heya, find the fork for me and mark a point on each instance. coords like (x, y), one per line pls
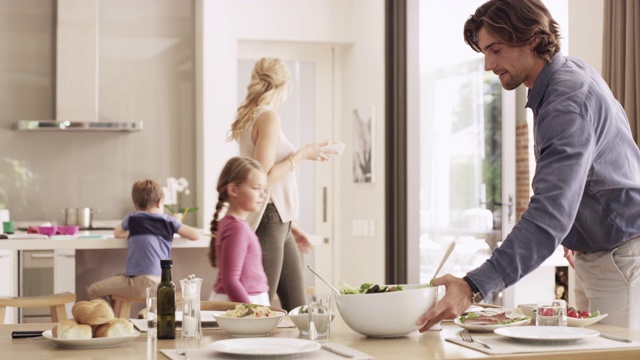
(466, 337)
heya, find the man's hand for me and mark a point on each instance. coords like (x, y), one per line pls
(568, 254)
(456, 300)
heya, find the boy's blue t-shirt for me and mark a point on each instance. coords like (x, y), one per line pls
(150, 237)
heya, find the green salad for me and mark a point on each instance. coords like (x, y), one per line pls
(370, 288)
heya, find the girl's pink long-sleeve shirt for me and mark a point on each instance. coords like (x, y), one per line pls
(240, 271)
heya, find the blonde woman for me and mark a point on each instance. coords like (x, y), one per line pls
(257, 129)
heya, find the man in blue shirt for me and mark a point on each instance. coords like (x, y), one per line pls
(586, 186)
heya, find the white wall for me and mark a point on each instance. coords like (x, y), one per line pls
(586, 21)
(356, 29)
(362, 70)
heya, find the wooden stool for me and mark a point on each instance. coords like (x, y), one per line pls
(55, 302)
(122, 305)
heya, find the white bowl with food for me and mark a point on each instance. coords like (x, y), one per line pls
(581, 318)
(300, 318)
(248, 320)
(386, 314)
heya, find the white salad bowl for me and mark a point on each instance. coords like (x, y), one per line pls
(388, 314)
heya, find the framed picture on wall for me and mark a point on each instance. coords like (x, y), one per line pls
(363, 125)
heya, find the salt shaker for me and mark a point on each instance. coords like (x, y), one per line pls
(191, 322)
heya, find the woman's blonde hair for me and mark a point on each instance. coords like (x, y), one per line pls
(269, 75)
(236, 171)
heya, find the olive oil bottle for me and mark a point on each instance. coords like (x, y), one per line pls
(166, 302)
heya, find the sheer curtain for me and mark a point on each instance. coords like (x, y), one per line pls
(621, 56)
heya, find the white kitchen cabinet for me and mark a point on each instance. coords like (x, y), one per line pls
(9, 286)
(64, 273)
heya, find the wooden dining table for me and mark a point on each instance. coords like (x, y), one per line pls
(428, 345)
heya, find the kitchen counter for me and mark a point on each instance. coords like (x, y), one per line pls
(86, 240)
(90, 256)
(430, 345)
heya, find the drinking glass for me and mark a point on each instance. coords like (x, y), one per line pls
(319, 317)
(152, 309)
(551, 313)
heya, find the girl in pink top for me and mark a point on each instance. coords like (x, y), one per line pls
(234, 247)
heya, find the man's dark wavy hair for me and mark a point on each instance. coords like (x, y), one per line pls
(516, 23)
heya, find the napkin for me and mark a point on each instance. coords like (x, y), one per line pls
(505, 345)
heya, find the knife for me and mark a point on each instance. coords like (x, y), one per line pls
(25, 334)
(607, 336)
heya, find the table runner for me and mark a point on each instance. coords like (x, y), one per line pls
(141, 324)
(506, 345)
(322, 354)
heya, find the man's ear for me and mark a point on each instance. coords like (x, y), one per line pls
(534, 43)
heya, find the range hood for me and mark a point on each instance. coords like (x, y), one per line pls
(54, 125)
(76, 73)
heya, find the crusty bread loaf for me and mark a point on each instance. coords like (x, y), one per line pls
(115, 327)
(70, 329)
(94, 312)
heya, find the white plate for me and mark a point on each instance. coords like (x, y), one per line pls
(92, 343)
(584, 322)
(546, 332)
(489, 327)
(264, 346)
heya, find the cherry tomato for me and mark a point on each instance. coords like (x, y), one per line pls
(547, 312)
(585, 314)
(573, 313)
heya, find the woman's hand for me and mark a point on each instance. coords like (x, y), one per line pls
(304, 245)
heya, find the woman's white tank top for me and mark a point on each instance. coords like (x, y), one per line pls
(284, 194)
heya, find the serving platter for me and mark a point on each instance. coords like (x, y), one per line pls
(92, 343)
(264, 347)
(489, 328)
(546, 333)
(519, 319)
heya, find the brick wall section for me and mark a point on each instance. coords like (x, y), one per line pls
(523, 187)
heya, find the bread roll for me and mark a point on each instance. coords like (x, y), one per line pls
(94, 312)
(115, 327)
(70, 329)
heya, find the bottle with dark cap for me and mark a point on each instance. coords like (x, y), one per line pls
(166, 302)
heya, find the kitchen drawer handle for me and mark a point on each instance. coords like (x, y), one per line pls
(42, 256)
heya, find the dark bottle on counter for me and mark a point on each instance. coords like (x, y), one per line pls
(166, 302)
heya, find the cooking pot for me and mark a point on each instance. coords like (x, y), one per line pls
(82, 217)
